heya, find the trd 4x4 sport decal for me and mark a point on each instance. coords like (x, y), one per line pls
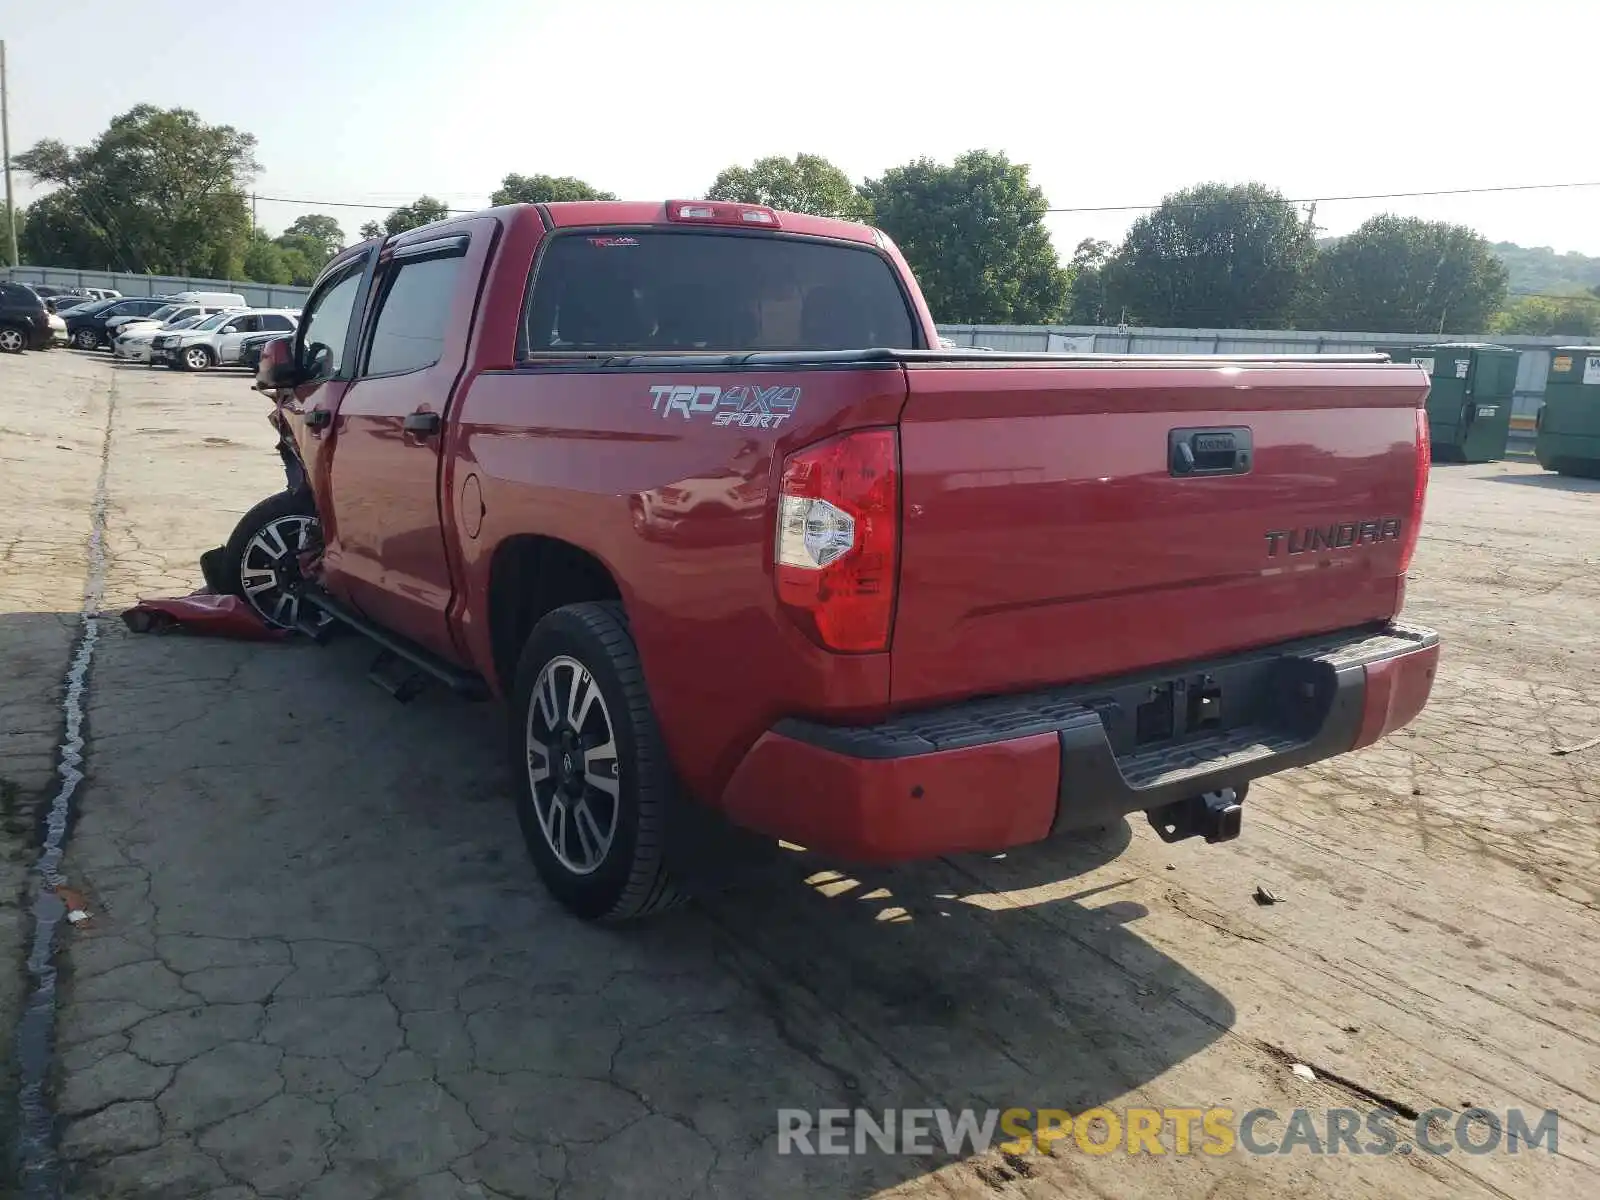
(744, 405)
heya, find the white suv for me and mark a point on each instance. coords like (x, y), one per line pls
(165, 315)
(217, 341)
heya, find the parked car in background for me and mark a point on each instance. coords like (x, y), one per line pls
(87, 325)
(57, 297)
(134, 344)
(172, 310)
(25, 322)
(250, 349)
(62, 305)
(50, 291)
(217, 340)
(211, 299)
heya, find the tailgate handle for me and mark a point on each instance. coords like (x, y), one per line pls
(1224, 451)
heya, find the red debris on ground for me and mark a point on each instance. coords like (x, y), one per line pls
(202, 612)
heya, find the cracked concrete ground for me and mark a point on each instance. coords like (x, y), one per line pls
(320, 966)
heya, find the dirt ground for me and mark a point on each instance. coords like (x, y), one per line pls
(319, 964)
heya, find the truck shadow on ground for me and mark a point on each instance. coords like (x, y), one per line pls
(270, 794)
(1552, 482)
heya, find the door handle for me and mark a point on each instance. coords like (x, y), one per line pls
(318, 418)
(423, 424)
(1224, 451)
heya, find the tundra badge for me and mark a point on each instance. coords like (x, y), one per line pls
(1338, 536)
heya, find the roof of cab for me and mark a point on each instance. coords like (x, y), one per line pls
(582, 213)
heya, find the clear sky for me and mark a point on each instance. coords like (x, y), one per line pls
(1110, 104)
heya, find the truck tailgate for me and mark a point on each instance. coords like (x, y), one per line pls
(1072, 521)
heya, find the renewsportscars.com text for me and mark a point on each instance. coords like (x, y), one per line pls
(1166, 1131)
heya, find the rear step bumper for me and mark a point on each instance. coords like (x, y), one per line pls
(991, 774)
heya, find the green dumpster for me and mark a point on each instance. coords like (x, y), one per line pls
(1469, 406)
(1569, 422)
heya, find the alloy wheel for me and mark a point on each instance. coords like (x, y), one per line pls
(270, 569)
(573, 765)
(11, 341)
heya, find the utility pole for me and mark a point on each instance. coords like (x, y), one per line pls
(5, 147)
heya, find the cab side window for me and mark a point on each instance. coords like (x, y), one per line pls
(326, 326)
(413, 313)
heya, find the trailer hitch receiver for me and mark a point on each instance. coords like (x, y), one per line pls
(1216, 816)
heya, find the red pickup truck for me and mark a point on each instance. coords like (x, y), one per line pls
(695, 491)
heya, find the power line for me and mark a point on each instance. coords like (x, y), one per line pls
(1091, 208)
(1468, 191)
(350, 204)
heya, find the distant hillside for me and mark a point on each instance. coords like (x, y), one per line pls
(1540, 269)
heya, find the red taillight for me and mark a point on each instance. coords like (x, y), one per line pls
(1408, 540)
(720, 212)
(838, 538)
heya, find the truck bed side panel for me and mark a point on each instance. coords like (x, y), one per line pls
(680, 510)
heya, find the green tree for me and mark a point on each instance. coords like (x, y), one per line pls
(57, 233)
(314, 229)
(806, 183)
(267, 262)
(1088, 296)
(5, 230)
(159, 191)
(974, 233)
(307, 245)
(544, 189)
(1551, 316)
(1405, 275)
(370, 230)
(1217, 255)
(423, 210)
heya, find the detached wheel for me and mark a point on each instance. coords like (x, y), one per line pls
(261, 563)
(593, 783)
(12, 340)
(196, 358)
(86, 339)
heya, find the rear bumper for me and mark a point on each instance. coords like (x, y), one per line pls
(996, 773)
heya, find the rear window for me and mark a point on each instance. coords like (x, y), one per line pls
(667, 291)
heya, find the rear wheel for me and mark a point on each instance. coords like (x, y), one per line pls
(263, 560)
(12, 340)
(594, 786)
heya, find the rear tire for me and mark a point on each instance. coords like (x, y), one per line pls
(593, 784)
(12, 340)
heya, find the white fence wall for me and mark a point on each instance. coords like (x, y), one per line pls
(1097, 339)
(261, 295)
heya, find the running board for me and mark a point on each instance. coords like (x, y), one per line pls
(464, 683)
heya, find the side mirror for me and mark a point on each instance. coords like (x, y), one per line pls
(277, 368)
